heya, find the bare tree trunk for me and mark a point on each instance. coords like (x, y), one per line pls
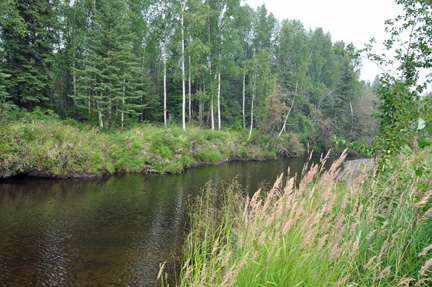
(252, 111)
(164, 73)
(211, 80)
(211, 101)
(74, 62)
(286, 119)
(252, 104)
(101, 124)
(352, 119)
(183, 67)
(165, 86)
(244, 90)
(190, 92)
(218, 100)
(219, 66)
(201, 106)
(123, 102)
(244, 100)
(142, 81)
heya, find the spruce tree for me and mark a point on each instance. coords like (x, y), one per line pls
(109, 82)
(28, 35)
(4, 95)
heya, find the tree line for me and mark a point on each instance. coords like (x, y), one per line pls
(215, 63)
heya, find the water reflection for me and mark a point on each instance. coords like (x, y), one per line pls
(109, 232)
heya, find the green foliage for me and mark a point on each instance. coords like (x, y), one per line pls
(100, 63)
(5, 104)
(400, 102)
(110, 73)
(28, 35)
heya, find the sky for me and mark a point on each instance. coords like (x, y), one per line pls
(346, 20)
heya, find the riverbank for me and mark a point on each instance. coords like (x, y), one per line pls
(41, 145)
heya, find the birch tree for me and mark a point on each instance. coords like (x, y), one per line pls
(183, 7)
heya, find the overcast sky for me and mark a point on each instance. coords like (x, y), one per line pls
(346, 20)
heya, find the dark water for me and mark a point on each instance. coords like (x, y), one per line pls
(110, 232)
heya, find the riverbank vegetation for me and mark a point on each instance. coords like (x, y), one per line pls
(319, 232)
(40, 144)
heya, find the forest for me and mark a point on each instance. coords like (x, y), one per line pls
(216, 64)
(92, 88)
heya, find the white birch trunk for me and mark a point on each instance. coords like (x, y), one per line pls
(211, 104)
(244, 100)
(252, 114)
(190, 92)
(165, 74)
(218, 101)
(286, 119)
(183, 68)
(201, 106)
(165, 87)
(219, 65)
(211, 80)
(252, 105)
(101, 124)
(165, 92)
(74, 62)
(123, 102)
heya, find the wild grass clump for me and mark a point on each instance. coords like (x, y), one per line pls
(49, 147)
(209, 155)
(321, 232)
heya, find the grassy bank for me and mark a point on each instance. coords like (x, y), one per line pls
(40, 144)
(375, 232)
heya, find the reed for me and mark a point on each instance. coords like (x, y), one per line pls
(320, 232)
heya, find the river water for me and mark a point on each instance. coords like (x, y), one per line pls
(107, 232)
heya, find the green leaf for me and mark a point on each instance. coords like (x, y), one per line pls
(419, 172)
(419, 185)
(406, 149)
(380, 219)
(421, 124)
(425, 142)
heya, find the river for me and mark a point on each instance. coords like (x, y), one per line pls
(115, 231)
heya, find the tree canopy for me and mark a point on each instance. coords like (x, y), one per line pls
(213, 63)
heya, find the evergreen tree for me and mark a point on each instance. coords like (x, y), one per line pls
(346, 92)
(110, 80)
(29, 32)
(4, 95)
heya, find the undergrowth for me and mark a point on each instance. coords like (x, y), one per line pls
(41, 144)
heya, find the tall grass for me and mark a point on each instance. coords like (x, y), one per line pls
(321, 232)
